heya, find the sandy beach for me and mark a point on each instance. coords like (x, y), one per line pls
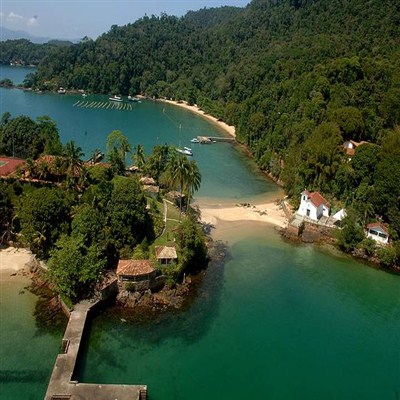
(13, 259)
(227, 128)
(269, 213)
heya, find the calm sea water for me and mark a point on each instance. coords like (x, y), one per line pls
(274, 321)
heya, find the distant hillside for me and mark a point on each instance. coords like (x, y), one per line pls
(296, 78)
(24, 52)
(8, 34)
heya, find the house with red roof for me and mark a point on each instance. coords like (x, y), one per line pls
(9, 165)
(313, 205)
(135, 270)
(378, 232)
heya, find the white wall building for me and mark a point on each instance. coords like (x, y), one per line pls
(313, 205)
(378, 232)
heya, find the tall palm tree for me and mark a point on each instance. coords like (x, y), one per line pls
(193, 180)
(73, 154)
(178, 172)
(139, 157)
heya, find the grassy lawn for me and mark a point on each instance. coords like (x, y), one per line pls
(167, 238)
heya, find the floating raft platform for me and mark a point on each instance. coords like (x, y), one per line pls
(63, 386)
(107, 105)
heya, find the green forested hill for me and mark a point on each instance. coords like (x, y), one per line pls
(296, 78)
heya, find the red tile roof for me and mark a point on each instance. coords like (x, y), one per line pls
(9, 165)
(378, 225)
(134, 267)
(317, 199)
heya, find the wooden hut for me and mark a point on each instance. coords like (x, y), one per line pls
(166, 255)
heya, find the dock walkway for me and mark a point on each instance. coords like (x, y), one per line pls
(62, 385)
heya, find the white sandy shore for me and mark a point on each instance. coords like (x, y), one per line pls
(269, 213)
(227, 128)
(13, 259)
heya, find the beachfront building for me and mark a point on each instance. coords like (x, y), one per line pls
(166, 255)
(378, 232)
(313, 206)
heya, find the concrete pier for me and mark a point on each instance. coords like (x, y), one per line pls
(222, 139)
(211, 139)
(62, 385)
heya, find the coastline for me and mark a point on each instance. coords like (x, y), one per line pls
(270, 213)
(229, 129)
(265, 212)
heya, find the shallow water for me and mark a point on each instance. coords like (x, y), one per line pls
(27, 352)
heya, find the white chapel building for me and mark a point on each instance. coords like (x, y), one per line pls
(313, 205)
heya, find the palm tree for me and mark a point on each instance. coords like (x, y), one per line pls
(178, 172)
(139, 157)
(73, 154)
(193, 180)
(117, 141)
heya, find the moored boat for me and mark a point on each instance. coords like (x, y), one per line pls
(134, 99)
(61, 90)
(184, 152)
(115, 98)
(195, 140)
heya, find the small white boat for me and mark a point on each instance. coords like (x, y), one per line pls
(61, 90)
(195, 140)
(134, 99)
(188, 149)
(115, 98)
(184, 152)
(84, 94)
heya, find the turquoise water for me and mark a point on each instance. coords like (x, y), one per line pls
(276, 321)
(16, 74)
(226, 171)
(27, 351)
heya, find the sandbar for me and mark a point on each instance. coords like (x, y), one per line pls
(229, 129)
(270, 213)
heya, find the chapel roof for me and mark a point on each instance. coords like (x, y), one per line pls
(316, 199)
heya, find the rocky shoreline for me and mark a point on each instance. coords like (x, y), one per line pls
(140, 305)
(169, 299)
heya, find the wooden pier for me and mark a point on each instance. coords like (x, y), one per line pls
(211, 139)
(63, 386)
